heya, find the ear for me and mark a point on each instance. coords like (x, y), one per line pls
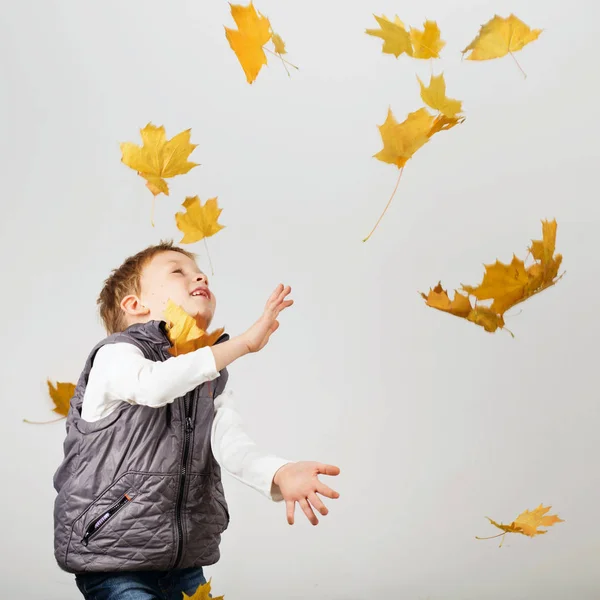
(132, 305)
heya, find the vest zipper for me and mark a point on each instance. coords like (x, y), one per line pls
(97, 524)
(186, 442)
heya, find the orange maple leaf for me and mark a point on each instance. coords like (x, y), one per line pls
(505, 284)
(527, 523)
(61, 395)
(202, 593)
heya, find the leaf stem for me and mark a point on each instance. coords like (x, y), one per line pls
(283, 59)
(208, 254)
(42, 422)
(152, 210)
(491, 537)
(387, 205)
(518, 65)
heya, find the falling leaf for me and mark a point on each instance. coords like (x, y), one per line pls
(508, 285)
(427, 43)
(527, 523)
(499, 37)
(159, 158)
(505, 284)
(396, 40)
(60, 395)
(443, 123)
(184, 333)
(278, 44)
(435, 96)
(202, 593)
(247, 41)
(461, 307)
(402, 140)
(199, 221)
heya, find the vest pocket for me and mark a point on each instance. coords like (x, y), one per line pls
(98, 523)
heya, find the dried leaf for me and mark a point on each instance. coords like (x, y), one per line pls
(184, 333)
(435, 96)
(159, 158)
(396, 40)
(61, 395)
(461, 307)
(505, 284)
(508, 285)
(202, 593)
(199, 221)
(247, 41)
(278, 44)
(528, 523)
(402, 140)
(500, 36)
(427, 43)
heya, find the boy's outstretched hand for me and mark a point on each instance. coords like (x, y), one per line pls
(298, 482)
(258, 335)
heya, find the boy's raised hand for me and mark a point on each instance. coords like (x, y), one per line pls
(299, 482)
(258, 335)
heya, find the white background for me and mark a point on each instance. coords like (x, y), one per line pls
(434, 422)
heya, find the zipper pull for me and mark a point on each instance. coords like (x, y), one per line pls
(188, 424)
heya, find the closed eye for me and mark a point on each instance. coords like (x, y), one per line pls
(178, 271)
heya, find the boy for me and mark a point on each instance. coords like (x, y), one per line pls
(140, 506)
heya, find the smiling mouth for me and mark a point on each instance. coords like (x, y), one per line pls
(203, 293)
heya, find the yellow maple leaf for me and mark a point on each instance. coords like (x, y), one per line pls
(202, 593)
(402, 140)
(461, 307)
(183, 331)
(278, 44)
(159, 158)
(510, 284)
(247, 41)
(499, 37)
(435, 96)
(427, 43)
(506, 284)
(199, 221)
(527, 523)
(443, 123)
(396, 40)
(61, 395)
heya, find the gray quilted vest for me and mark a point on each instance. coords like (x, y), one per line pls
(140, 489)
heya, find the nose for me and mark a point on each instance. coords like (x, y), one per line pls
(201, 277)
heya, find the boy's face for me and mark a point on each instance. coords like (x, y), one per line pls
(172, 275)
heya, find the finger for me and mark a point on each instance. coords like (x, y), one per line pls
(283, 305)
(316, 502)
(276, 292)
(308, 511)
(290, 507)
(327, 469)
(284, 292)
(325, 490)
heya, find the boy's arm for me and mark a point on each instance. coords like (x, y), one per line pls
(239, 455)
(121, 372)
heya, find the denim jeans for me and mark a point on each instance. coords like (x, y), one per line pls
(140, 585)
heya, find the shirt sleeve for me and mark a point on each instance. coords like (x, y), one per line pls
(121, 373)
(238, 455)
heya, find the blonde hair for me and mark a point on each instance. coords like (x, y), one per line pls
(125, 280)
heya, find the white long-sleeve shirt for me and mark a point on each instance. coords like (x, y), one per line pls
(121, 373)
